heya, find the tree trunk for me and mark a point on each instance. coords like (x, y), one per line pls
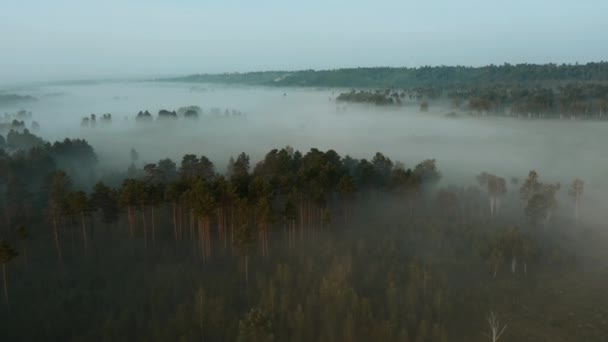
(301, 220)
(56, 233)
(130, 218)
(84, 233)
(232, 228)
(224, 219)
(202, 237)
(153, 228)
(513, 265)
(175, 222)
(180, 224)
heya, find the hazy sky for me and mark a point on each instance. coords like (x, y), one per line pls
(68, 39)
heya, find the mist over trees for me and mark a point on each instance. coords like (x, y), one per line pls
(295, 246)
(151, 224)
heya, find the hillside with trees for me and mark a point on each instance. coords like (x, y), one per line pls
(298, 246)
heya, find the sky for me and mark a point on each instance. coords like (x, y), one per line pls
(42, 40)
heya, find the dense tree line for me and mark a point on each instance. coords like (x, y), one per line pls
(298, 246)
(570, 100)
(438, 76)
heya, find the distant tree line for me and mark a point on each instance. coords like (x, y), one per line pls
(13, 99)
(437, 76)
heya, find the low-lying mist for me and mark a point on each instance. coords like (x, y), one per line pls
(304, 118)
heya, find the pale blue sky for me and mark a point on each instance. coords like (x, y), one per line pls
(68, 39)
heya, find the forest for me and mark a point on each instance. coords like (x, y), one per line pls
(580, 101)
(563, 91)
(404, 77)
(297, 246)
(11, 99)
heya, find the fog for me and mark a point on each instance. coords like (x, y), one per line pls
(303, 118)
